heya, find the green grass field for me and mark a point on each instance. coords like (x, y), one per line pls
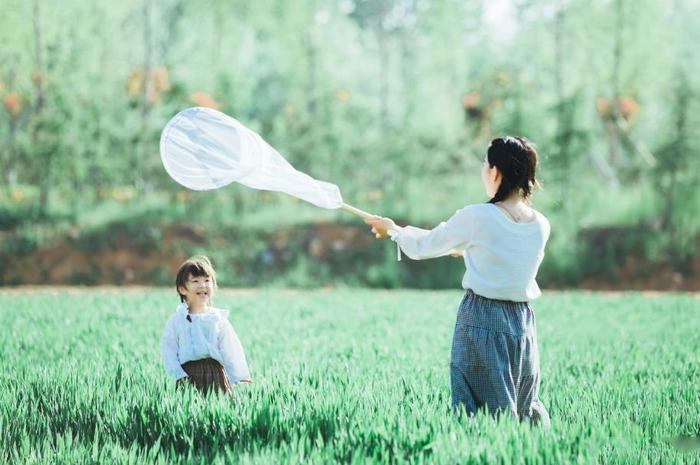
(349, 376)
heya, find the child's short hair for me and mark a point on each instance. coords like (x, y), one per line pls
(197, 266)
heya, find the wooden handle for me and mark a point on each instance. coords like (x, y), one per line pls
(356, 211)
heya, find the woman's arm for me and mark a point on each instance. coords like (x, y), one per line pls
(449, 237)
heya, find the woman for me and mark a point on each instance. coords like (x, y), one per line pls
(495, 358)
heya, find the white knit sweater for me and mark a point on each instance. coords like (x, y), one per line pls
(501, 256)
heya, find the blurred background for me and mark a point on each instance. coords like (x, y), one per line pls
(395, 101)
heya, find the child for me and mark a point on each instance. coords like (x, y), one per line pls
(495, 358)
(199, 344)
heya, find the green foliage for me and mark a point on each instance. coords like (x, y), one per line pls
(13, 216)
(676, 175)
(385, 274)
(22, 243)
(394, 101)
(340, 377)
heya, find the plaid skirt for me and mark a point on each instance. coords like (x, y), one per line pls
(495, 361)
(207, 375)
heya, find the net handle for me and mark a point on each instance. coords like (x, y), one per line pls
(356, 211)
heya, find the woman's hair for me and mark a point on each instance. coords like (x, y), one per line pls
(516, 159)
(196, 266)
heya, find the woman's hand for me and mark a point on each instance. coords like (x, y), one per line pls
(380, 225)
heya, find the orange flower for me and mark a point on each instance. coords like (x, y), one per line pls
(135, 83)
(157, 77)
(603, 106)
(628, 107)
(203, 99)
(160, 78)
(36, 76)
(342, 95)
(17, 195)
(470, 100)
(13, 103)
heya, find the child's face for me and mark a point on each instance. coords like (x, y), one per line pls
(198, 289)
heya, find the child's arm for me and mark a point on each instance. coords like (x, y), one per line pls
(170, 352)
(232, 352)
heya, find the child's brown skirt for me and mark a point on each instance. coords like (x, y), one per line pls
(207, 375)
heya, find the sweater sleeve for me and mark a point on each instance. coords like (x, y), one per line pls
(451, 236)
(232, 352)
(171, 360)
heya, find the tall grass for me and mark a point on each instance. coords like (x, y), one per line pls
(340, 376)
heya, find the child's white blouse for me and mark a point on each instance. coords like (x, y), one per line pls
(501, 256)
(207, 335)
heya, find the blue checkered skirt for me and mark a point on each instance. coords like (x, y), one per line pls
(495, 360)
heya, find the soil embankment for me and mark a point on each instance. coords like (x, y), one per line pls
(305, 256)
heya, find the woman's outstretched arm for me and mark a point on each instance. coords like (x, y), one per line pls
(449, 237)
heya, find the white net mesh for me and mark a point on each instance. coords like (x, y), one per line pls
(204, 149)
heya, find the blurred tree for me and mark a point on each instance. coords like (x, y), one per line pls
(44, 127)
(390, 99)
(677, 174)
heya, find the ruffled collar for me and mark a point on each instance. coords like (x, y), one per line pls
(183, 310)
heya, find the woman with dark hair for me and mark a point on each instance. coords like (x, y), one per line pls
(495, 358)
